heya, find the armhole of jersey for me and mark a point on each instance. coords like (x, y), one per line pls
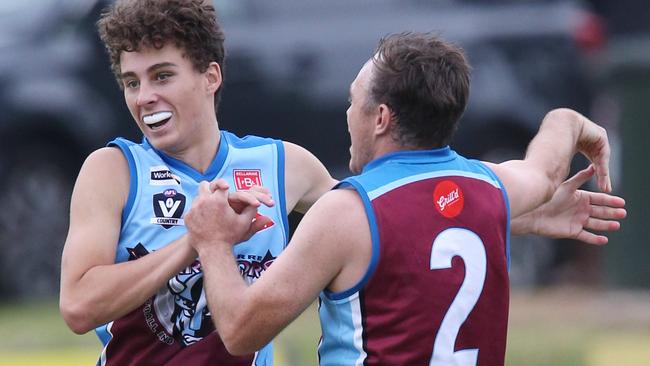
(374, 235)
(133, 177)
(507, 203)
(281, 190)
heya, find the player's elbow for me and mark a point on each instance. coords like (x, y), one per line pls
(238, 342)
(238, 348)
(75, 316)
(238, 331)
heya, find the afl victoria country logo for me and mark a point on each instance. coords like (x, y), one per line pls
(168, 207)
(448, 199)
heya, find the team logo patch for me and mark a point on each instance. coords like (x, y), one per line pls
(448, 199)
(246, 178)
(168, 208)
(162, 176)
(252, 266)
(136, 252)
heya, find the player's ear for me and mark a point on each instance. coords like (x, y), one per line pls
(213, 77)
(384, 119)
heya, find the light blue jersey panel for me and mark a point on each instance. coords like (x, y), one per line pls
(161, 193)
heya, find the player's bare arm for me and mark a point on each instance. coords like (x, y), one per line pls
(95, 290)
(319, 256)
(306, 178)
(533, 181)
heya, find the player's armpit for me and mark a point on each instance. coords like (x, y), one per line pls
(306, 178)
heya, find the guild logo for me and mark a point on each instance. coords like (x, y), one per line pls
(168, 208)
(448, 199)
(162, 176)
(246, 178)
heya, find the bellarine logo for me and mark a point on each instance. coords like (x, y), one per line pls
(246, 178)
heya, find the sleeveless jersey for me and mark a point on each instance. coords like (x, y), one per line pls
(174, 327)
(436, 289)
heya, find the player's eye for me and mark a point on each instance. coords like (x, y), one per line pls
(131, 83)
(163, 76)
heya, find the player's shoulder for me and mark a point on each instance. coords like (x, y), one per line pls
(105, 166)
(342, 205)
(295, 150)
(300, 158)
(108, 157)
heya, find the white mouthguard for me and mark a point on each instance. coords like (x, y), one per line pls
(156, 117)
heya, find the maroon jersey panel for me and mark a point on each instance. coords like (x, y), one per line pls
(410, 292)
(143, 341)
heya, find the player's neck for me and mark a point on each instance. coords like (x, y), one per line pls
(201, 150)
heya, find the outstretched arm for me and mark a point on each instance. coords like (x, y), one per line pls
(573, 213)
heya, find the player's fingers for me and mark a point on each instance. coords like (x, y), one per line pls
(591, 238)
(604, 199)
(607, 213)
(602, 170)
(602, 225)
(604, 182)
(204, 188)
(260, 189)
(263, 197)
(248, 214)
(580, 177)
(220, 184)
(243, 198)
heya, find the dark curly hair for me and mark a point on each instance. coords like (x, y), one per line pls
(129, 25)
(425, 82)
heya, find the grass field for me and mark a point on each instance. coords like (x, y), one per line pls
(569, 327)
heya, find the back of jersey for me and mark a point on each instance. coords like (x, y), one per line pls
(436, 291)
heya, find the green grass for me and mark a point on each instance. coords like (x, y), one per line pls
(34, 334)
(549, 328)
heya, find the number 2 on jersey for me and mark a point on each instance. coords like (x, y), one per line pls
(467, 245)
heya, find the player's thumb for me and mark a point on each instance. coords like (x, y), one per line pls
(581, 177)
(248, 213)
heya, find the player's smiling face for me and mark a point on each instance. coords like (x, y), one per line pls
(171, 102)
(361, 115)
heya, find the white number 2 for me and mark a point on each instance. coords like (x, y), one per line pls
(467, 245)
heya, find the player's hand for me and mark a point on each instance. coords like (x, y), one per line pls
(212, 220)
(239, 200)
(594, 144)
(573, 213)
(255, 196)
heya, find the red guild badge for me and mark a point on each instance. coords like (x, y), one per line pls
(246, 178)
(448, 199)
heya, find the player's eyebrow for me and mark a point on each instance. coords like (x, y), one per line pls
(151, 69)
